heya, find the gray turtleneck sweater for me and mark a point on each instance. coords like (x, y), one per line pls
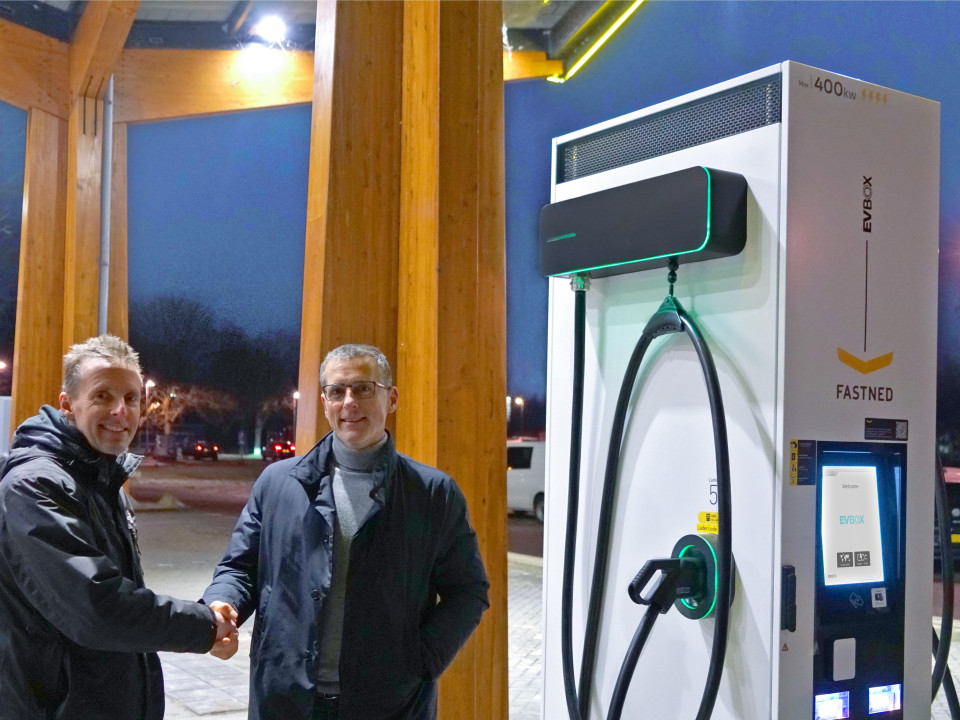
(354, 487)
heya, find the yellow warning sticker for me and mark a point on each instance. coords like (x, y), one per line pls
(793, 462)
(708, 528)
(708, 517)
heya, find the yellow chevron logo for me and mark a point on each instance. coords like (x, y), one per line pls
(864, 367)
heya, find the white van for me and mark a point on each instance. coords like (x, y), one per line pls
(525, 475)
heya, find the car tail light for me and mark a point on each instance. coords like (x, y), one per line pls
(199, 447)
(216, 448)
(277, 448)
(293, 448)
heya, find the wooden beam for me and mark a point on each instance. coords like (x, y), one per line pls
(163, 84)
(37, 345)
(118, 322)
(166, 84)
(82, 236)
(97, 44)
(33, 70)
(525, 65)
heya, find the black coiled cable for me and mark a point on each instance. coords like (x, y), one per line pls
(573, 498)
(669, 318)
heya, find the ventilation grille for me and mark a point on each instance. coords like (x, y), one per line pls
(731, 112)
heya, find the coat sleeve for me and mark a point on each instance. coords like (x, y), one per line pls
(461, 583)
(235, 579)
(49, 544)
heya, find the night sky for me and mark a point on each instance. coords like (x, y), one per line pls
(217, 213)
(217, 205)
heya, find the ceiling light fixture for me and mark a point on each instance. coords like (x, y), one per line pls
(271, 28)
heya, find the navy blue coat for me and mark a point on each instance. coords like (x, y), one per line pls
(416, 547)
(78, 630)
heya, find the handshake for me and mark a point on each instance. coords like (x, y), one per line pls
(228, 639)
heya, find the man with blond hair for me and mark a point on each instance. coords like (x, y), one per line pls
(79, 631)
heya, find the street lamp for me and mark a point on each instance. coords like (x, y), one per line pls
(296, 397)
(518, 401)
(149, 385)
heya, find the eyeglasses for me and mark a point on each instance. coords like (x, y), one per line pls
(359, 389)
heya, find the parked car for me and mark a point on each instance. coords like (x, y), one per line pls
(200, 449)
(525, 476)
(277, 449)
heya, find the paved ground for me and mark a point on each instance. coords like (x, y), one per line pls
(181, 547)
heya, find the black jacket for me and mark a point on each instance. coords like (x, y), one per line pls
(416, 547)
(78, 630)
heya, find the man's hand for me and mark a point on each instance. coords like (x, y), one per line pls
(228, 639)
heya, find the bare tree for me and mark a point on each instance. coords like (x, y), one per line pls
(171, 401)
(269, 406)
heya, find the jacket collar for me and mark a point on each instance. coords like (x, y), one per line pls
(50, 434)
(314, 467)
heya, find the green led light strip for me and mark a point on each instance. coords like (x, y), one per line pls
(706, 239)
(561, 237)
(716, 579)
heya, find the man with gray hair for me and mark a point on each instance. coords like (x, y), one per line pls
(80, 631)
(359, 562)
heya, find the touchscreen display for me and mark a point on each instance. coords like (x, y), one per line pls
(850, 525)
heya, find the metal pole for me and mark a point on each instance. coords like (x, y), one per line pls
(106, 171)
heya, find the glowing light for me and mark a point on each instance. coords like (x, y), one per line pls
(271, 28)
(259, 63)
(597, 45)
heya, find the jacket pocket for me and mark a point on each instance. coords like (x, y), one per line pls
(256, 640)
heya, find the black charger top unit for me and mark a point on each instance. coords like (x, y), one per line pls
(692, 215)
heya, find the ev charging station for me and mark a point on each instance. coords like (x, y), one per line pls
(823, 330)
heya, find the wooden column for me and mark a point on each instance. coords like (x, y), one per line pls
(118, 320)
(37, 354)
(353, 205)
(94, 52)
(405, 251)
(82, 252)
(417, 354)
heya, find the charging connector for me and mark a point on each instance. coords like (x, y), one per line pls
(679, 578)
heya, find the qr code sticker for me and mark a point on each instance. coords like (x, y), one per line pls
(901, 430)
